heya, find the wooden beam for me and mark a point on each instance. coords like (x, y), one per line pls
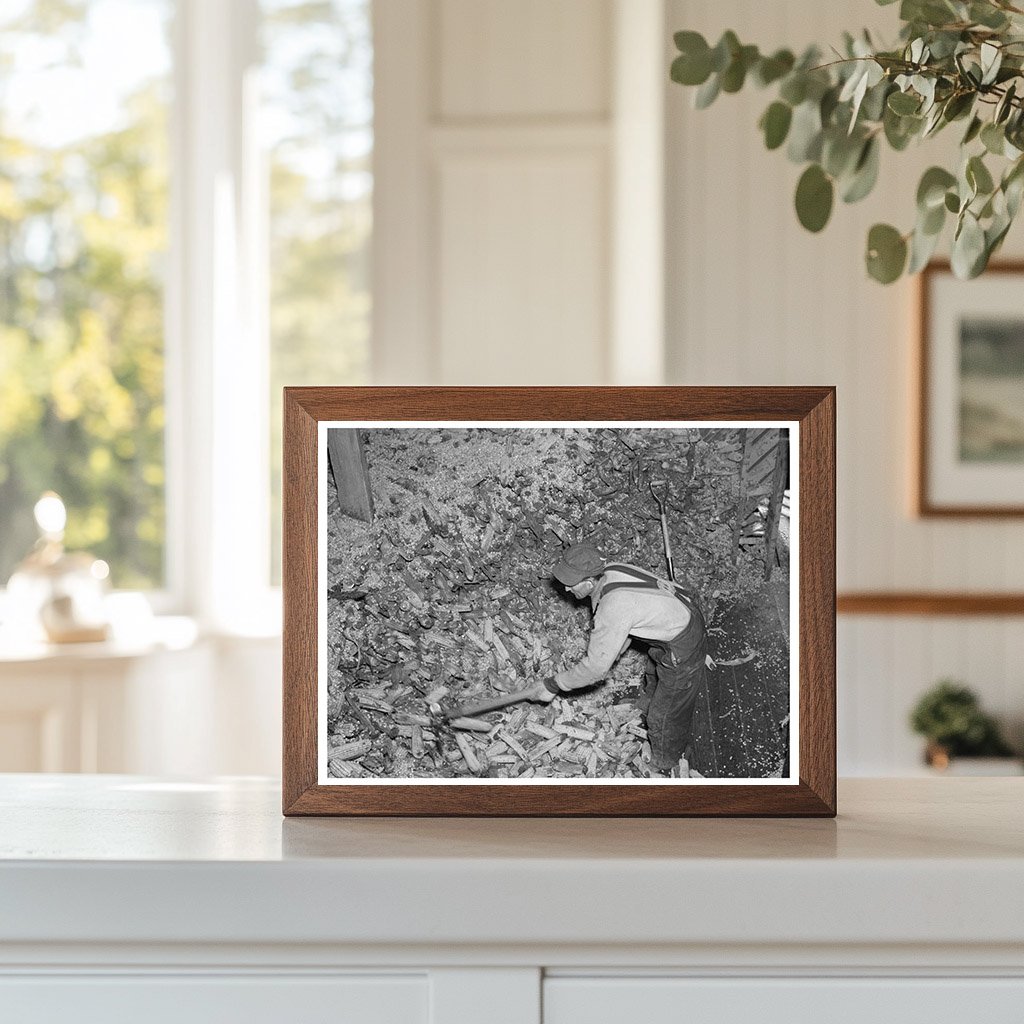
(351, 477)
(929, 603)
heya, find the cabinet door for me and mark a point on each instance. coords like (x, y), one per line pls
(783, 1000)
(205, 999)
(41, 721)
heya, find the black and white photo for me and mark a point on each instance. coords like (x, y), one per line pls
(528, 603)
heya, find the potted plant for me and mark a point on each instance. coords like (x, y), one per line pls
(950, 717)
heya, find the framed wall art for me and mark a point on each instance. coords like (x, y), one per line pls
(970, 444)
(559, 601)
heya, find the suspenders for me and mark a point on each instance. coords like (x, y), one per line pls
(646, 581)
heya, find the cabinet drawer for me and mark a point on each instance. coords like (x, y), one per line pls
(669, 1000)
(223, 999)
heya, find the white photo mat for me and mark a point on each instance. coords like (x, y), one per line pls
(793, 779)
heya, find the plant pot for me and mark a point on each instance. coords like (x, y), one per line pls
(939, 759)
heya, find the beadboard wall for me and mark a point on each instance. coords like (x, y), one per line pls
(754, 299)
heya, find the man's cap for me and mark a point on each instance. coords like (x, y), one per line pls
(578, 563)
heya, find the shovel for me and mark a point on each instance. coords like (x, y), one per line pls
(661, 499)
(493, 703)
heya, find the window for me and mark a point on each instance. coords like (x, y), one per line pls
(83, 235)
(317, 116)
(185, 221)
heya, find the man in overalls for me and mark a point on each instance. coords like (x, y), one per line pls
(630, 602)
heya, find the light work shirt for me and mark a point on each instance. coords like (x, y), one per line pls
(623, 613)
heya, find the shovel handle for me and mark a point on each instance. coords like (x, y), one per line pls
(481, 708)
(668, 548)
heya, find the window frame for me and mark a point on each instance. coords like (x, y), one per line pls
(216, 348)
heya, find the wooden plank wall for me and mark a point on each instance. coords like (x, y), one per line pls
(753, 299)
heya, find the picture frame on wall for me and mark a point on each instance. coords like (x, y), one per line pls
(559, 601)
(970, 421)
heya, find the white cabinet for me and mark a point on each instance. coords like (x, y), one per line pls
(202, 999)
(42, 720)
(824, 1000)
(173, 705)
(98, 707)
(132, 898)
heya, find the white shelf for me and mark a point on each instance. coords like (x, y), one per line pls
(127, 895)
(120, 859)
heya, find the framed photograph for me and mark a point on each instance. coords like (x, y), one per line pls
(559, 601)
(970, 450)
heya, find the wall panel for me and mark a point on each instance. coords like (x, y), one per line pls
(530, 58)
(520, 289)
(494, 202)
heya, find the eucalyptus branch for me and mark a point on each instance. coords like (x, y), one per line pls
(833, 117)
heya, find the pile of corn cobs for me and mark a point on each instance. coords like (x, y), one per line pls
(446, 597)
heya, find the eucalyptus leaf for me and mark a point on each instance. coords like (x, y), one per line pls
(1005, 105)
(687, 41)
(922, 248)
(817, 83)
(925, 87)
(932, 221)
(944, 44)
(840, 152)
(828, 105)
(775, 124)
(691, 68)
(886, 254)
(900, 130)
(1014, 192)
(794, 88)
(968, 247)
(993, 138)
(873, 106)
(931, 190)
(771, 69)
(970, 71)
(707, 93)
(856, 89)
(929, 12)
(865, 173)
(858, 77)
(991, 60)
(903, 103)
(933, 122)
(814, 196)
(724, 51)
(1013, 187)
(966, 187)
(973, 130)
(958, 105)
(735, 74)
(987, 15)
(805, 133)
(978, 176)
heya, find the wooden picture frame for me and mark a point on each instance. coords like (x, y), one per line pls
(955, 475)
(804, 415)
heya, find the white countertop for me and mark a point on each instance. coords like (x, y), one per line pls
(120, 859)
